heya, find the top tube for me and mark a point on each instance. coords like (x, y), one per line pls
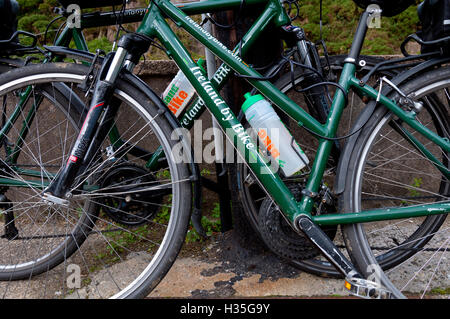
(100, 19)
(206, 6)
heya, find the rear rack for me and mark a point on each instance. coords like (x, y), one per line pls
(416, 38)
(12, 45)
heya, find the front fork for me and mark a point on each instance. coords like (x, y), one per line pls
(102, 111)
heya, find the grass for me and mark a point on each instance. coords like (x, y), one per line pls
(417, 183)
(340, 18)
(121, 241)
(210, 222)
(440, 291)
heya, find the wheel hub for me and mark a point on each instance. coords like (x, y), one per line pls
(127, 201)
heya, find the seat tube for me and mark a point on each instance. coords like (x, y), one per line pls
(325, 146)
(359, 36)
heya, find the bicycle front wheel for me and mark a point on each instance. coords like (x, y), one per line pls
(127, 218)
(387, 170)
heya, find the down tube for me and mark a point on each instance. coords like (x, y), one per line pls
(226, 118)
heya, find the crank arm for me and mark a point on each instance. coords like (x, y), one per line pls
(327, 247)
(354, 282)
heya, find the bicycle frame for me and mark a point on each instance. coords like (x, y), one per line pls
(132, 45)
(93, 20)
(154, 25)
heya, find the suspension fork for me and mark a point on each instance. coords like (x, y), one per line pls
(102, 110)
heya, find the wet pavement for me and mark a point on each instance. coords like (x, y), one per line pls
(225, 269)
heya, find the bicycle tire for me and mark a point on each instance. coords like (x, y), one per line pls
(127, 226)
(383, 175)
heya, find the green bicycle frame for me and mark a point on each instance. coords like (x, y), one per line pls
(154, 25)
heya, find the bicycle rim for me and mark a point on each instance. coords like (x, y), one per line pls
(390, 172)
(124, 224)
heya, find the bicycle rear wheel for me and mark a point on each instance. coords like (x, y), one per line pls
(125, 223)
(248, 195)
(386, 171)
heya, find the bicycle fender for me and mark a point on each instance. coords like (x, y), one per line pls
(72, 53)
(341, 170)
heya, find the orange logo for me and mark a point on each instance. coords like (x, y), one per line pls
(268, 143)
(177, 101)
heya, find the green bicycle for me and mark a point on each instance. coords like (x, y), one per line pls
(245, 196)
(141, 176)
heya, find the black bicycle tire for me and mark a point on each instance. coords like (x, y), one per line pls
(180, 224)
(354, 234)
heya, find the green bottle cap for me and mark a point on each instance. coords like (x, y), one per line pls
(250, 100)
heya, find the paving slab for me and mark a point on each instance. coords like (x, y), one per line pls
(224, 269)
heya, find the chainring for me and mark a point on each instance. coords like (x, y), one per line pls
(279, 236)
(129, 206)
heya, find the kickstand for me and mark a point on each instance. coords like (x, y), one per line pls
(11, 232)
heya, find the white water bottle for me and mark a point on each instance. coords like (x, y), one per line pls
(179, 92)
(273, 134)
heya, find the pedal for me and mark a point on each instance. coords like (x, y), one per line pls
(366, 289)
